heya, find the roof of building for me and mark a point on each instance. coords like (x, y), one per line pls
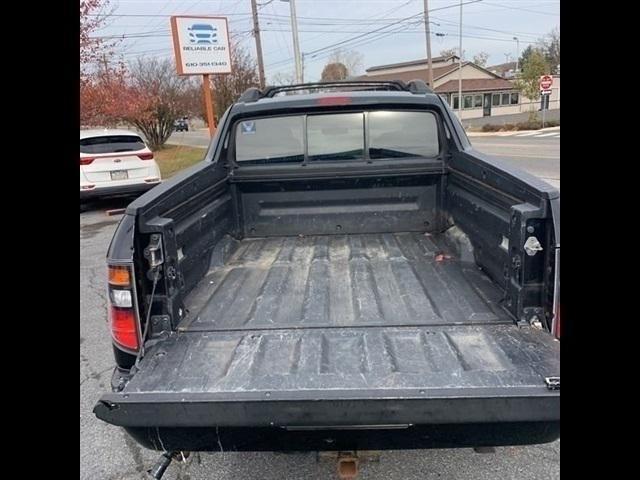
(422, 74)
(412, 63)
(475, 85)
(502, 67)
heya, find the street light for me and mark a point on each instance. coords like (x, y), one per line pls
(517, 54)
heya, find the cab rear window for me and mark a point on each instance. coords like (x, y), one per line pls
(111, 144)
(389, 134)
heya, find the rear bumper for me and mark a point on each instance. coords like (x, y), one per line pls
(100, 192)
(413, 437)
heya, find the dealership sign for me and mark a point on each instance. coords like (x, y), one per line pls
(201, 45)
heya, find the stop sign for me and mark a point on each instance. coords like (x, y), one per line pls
(545, 82)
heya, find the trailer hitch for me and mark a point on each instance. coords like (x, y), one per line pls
(157, 471)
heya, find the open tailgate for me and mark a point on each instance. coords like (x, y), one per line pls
(342, 376)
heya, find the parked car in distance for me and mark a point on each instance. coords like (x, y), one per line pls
(181, 125)
(114, 163)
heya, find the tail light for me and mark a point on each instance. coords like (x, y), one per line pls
(123, 314)
(86, 160)
(145, 156)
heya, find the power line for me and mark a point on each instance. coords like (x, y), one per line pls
(522, 9)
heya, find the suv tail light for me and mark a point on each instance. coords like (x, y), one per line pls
(86, 160)
(123, 314)
(145, 156)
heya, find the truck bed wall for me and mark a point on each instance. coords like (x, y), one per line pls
(340, 206)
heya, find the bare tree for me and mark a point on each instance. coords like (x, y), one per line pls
(448, 52)
(166, 98)
(481, 58)
(351, 59)
(281, 78)
(334, 71)
(550, 44)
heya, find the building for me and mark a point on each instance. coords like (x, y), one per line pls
(505, 70)
(484, 93)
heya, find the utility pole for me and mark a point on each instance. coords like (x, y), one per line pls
(256, 34)
(460, 69)
(296, 46)
(517, 54)
(428, 34)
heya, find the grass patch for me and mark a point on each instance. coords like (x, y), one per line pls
(529, 125)
(173, 158)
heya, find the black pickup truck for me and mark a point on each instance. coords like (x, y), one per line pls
(343, 271)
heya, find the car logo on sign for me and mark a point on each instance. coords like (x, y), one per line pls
(203, 33)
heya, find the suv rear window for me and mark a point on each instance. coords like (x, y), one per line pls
(111, 144)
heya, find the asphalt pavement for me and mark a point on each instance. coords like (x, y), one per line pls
(107, 453)
(537, 154)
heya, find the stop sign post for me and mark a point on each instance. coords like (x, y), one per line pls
(545, 89)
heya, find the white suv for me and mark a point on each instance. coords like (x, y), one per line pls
(115, 162)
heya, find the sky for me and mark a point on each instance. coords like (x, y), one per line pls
(382, 31)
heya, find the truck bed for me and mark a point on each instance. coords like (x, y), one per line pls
(392, 279)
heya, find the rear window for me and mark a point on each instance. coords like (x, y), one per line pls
(111, 144)
(270, 140)
(337, 137)
(403, 134)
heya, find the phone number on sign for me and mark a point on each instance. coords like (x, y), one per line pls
(206, 64)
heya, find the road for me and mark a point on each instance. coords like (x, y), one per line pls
(538, 155)
(107, 453)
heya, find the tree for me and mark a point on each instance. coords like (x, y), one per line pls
(524, 56)
(163, 97)
(227, 88)
(481, 58)
(334, 71)
(93, 15)
(550, 44)
(281, 78)
(532, 68)
(448, 52)
(351, 59)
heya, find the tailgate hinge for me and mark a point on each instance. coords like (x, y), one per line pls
(552, 383)
(154, 252)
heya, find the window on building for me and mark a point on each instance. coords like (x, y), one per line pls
(495, 100)
(468, 101)
(505, 99)
(456, 103)
(514, 99)
(477, 101)
(445, 97)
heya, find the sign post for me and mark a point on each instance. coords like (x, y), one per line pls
(201, 47)
(545, 89)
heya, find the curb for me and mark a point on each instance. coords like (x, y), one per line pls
(510, 133)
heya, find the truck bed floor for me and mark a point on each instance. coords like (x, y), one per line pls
(394, 279)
